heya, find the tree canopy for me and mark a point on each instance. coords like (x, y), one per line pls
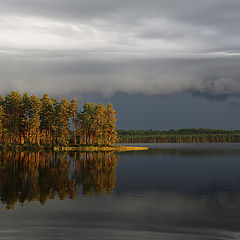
(45, 121)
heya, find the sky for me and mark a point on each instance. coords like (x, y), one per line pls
(162, 63)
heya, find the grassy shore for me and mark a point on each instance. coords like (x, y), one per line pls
(71, 148)
(101, 148)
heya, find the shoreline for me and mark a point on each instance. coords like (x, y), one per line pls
(100, 149)
(73, 148)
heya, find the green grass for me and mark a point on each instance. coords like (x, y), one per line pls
(100, 148)
(70, 148)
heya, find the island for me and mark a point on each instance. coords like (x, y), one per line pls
(33, 123)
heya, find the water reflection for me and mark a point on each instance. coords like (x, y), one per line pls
(39, 176)
(160, 194)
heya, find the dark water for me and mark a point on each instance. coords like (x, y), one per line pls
(172, 191)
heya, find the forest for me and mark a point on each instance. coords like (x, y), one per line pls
(187, 135)
(33, 121)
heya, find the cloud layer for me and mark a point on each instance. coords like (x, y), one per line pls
(151, 47)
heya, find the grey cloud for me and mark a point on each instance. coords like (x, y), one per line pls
(82, 73)
(132, 65)
(203, 11)
(206, 25)
(217, 13)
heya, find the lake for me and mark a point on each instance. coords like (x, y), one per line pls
(171, 191)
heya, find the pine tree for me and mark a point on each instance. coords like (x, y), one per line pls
(35, 119)
(12, 107)
(87, 122)
(2, 129)
(63, 114)
(46, 119)
(99, 124)
(54, 127)
(111, 133)
(25, 111)
(74, 109)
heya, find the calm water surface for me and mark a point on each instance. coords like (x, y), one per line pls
(172, 191)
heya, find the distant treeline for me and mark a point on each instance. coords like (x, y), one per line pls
(187, 135)
(30, 120)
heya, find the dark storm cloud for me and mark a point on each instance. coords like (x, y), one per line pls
(81, 74)
(104, 46)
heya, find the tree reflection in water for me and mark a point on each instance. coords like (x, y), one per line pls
(39, 176)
